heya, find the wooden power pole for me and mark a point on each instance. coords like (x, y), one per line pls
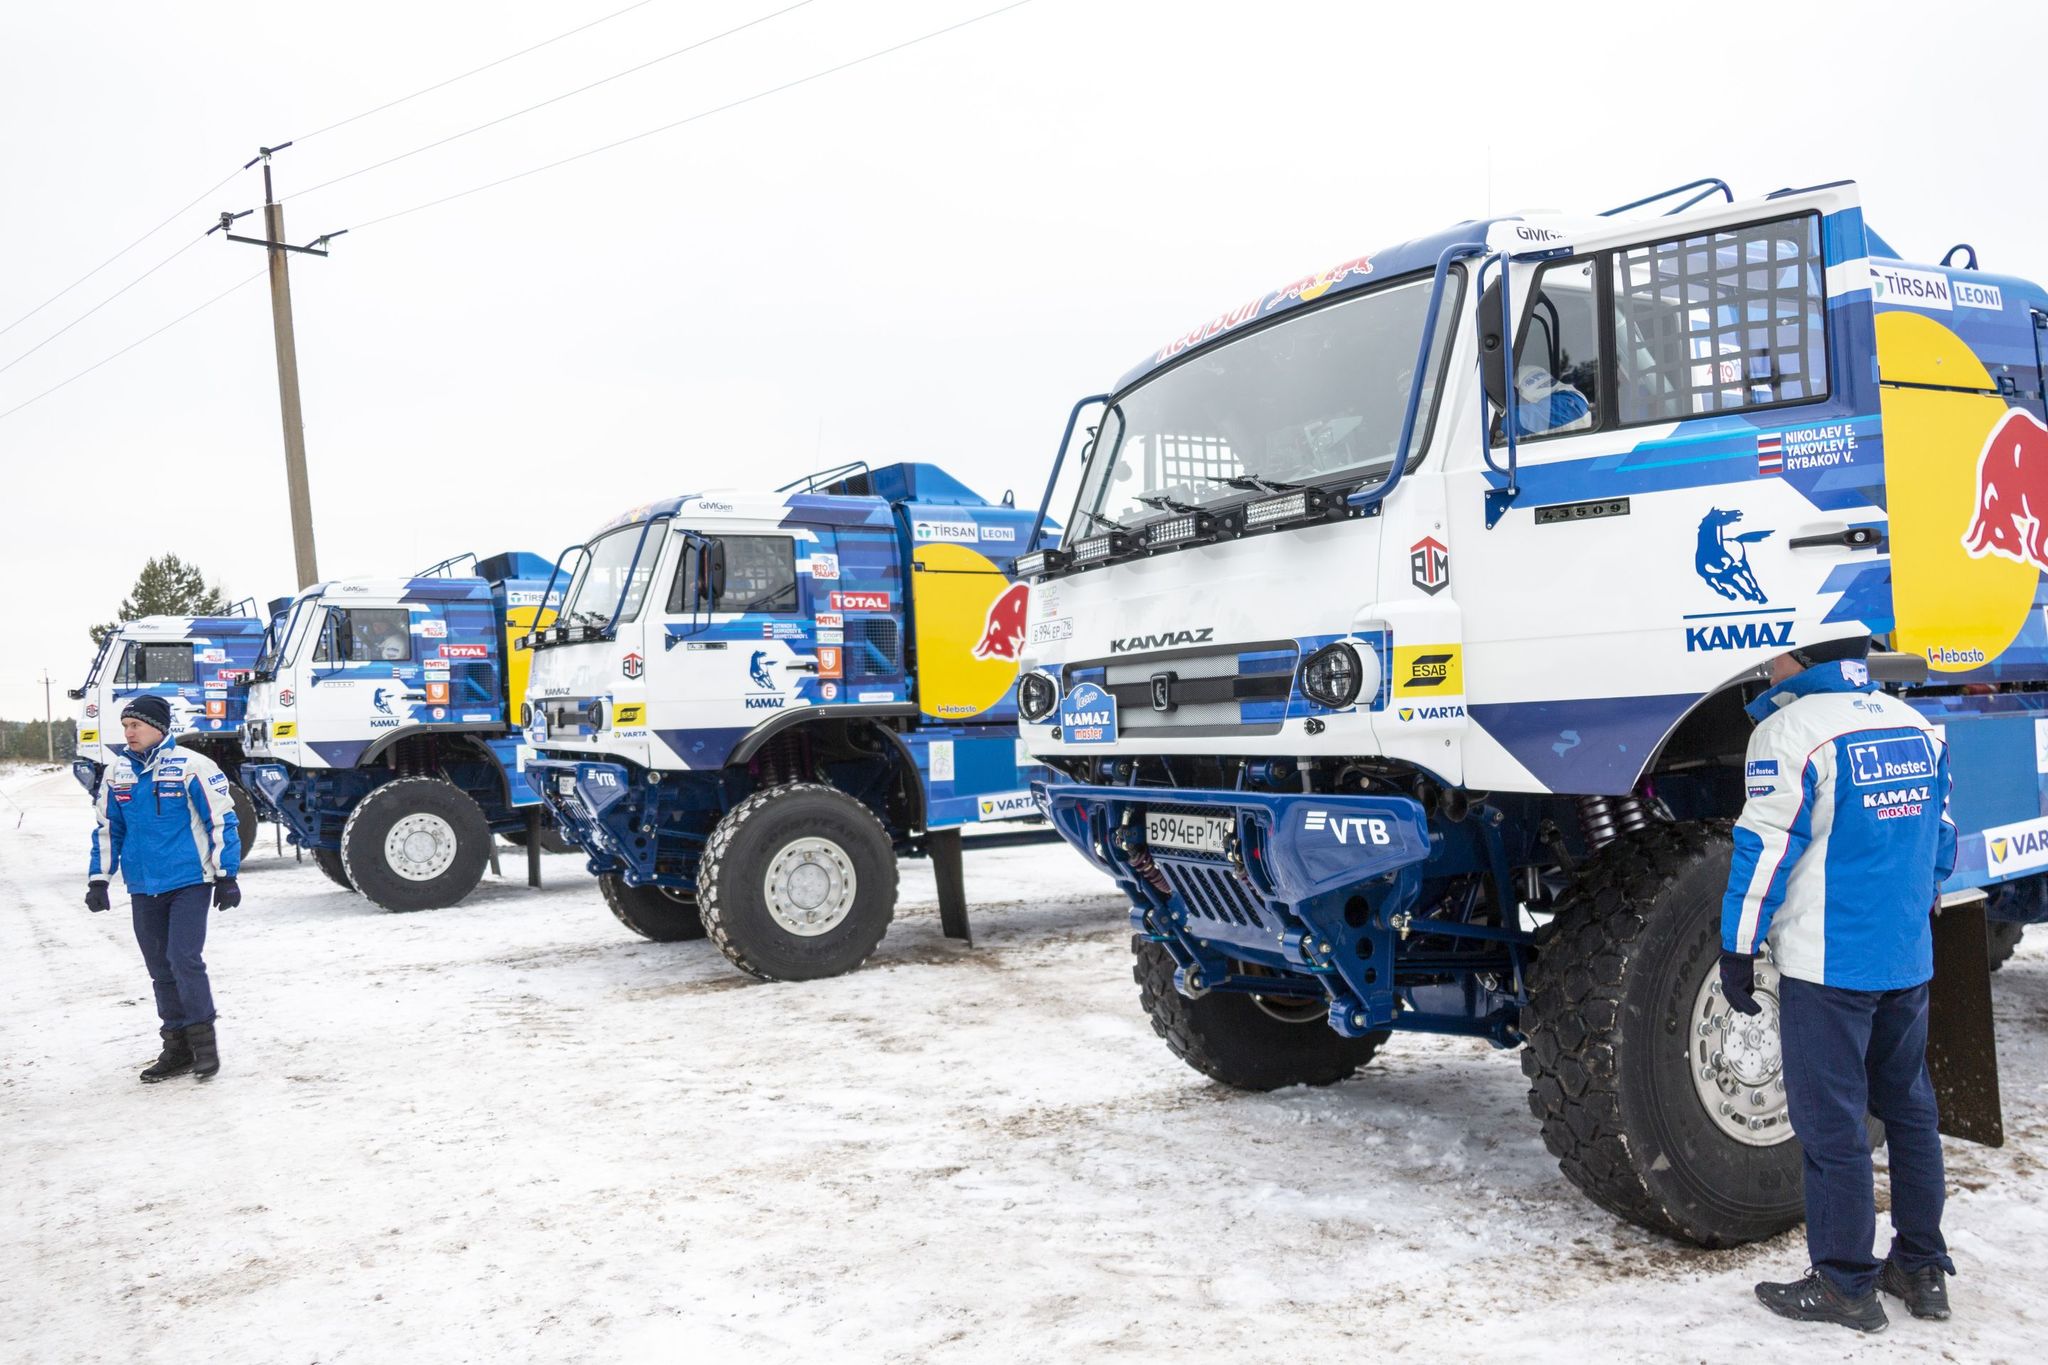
(287, 359)
(49, 721)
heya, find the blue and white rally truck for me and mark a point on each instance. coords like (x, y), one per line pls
(379, 730)
(751, 703)
(1397, 652)
(198, 664)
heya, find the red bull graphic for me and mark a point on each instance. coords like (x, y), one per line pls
(2011, 519)
(1002, 634)
(1307, 289)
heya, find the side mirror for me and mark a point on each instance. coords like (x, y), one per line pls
(1492, 370)
(75, 693)
(714, 575)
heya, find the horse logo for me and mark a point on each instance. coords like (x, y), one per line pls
(1722, 560)
(757, 669)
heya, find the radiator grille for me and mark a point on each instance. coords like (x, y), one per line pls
(1212, 891)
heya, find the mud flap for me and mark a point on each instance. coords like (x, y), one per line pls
(1962, 1050)
(943, 847)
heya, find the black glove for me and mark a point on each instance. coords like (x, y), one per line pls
(226, 894)
(1738, 982)
(96, 896)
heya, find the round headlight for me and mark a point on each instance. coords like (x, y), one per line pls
(525, 714)
(593, 711)
(1332, 675)
(1037, 695)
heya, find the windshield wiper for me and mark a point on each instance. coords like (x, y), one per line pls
(1166, 504)
(1101, 520)
(1253, 484)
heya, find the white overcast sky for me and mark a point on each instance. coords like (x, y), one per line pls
(925, 257)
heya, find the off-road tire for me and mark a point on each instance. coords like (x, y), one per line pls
(652, 912)
(2001, 937)
(732, 899)
(1611, 995)
(1228, 1038)
(330, 863)
(362, 844)
(245, 818)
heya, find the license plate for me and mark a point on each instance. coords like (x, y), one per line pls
(1189, 833)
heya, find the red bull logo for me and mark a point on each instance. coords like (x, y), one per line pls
(2012, 493)
(1002, 633)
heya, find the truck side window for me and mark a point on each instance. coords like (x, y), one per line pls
(1557, 356)
(146, 664)
(760, 575)
(1721, 321)
(361, 635)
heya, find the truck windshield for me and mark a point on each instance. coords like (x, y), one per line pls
(611, 579)
(1317, 399)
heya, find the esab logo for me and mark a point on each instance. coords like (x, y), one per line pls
(1435, 669)
(629, 713)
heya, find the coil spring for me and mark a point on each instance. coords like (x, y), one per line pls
(1140, 859)
(1604, 819)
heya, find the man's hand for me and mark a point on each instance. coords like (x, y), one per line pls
(96, 896)
(227, 894)
(1738, 982)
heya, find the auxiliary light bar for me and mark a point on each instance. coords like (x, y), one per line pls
(1307, 502)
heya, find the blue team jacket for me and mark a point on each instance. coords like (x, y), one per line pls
(1845, 839)
(165, 820)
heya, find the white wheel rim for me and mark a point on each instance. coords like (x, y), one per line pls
(420, 847)
(810, 887)
(1737, 1069)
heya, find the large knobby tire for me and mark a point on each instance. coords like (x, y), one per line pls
(330, 863)
(797, 882)
(1241, 1041)
(245, 818)
(652, 911)
(2001, 937)
(1617, 1030)
(415, 844)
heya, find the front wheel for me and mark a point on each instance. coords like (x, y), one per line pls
(1658, 1100)
(330, 863)
(245, 818)
(798, 882)
(1248, 1042)
(653, 912)
(415, 844)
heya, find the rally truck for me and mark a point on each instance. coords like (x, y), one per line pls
(752, 703)
(1396, 654)
(379, 726)
(200, 665)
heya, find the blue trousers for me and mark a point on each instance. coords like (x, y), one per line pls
(172, 931)
(1848, 1054)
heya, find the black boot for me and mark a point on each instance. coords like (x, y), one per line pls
(205, 1055)
(1925, 1290)
(175, 1060)
(1816, 1299)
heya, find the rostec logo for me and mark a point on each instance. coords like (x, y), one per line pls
(1877, 762)
(1429, 565)
(860, 601)
(2012, 493)
(465, 651)
(1347, 829)
(1002, 630)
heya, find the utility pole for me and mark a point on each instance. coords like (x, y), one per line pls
(287, 357)
(49, 721)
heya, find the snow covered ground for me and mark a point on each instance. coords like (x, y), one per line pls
(513, 1131)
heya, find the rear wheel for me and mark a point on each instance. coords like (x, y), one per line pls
(1658, 1100)
(798, 882)
(245, 818)
(2001, 937)
(653, 912)
(415, 844)
(1248, 1042)
(330, 863)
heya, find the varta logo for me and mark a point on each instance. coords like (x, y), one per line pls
(2027, 844)
(1347, 829)
(1739, 635)
(1163, 640)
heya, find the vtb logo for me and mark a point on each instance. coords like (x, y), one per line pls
(1347, 829)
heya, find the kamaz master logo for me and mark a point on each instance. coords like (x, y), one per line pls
(1164, 640)
(1347, 829)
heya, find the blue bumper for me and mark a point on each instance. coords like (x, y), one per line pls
(1324, 893)
(618, 815)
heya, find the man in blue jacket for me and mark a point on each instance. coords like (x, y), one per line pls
(166, 822)
(1839, 858)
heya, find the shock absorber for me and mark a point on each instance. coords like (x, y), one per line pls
(1140, 858)
(1631, 814)
(1597, 821)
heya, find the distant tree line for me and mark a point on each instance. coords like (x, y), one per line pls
(23, 739)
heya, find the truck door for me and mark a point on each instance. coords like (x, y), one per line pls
(353, 683)
(1693, 434)
(734, 640)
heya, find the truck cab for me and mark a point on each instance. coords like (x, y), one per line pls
(1414, 605)
(820, 675)
(378, 728)
(200, 665)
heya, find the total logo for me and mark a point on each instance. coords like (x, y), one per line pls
(860, 601)
(465, 651)
(1347, 829)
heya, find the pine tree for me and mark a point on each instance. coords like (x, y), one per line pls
(167, 586)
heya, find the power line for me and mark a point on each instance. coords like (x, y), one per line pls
(702, 114)
(556, 99)
(476, 71)
(101, 304)
(132, 345)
